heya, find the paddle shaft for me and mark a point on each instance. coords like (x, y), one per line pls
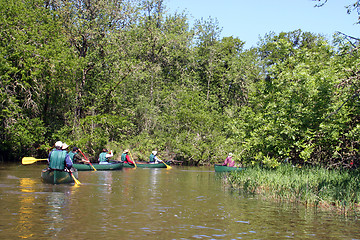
(167, 166)
(132, 159)
(87, 160)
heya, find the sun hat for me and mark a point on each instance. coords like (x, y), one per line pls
(64, 146)
(58, 144)
(154, 152)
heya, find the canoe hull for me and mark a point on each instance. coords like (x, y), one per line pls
(99, 167)
(57, 176)
(145, 165)
(220, 168)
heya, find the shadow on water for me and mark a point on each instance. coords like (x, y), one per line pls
(181, 203)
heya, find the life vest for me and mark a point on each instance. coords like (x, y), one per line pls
(123, 157)
(102, 157)
(71, 155)
(57, 159)
(152, 158)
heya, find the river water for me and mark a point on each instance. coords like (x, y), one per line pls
(180, 203)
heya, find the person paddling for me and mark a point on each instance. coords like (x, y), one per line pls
(153, 158)
(125, 157)
(75, 156)
(228, 161)
(57, 157)
(104, 156)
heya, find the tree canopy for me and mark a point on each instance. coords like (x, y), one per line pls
(127, 74)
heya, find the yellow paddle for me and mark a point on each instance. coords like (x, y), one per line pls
(167, 166)
(132, 159)
(76, 181)
(72, 175)
(88, 160)
(31, 160)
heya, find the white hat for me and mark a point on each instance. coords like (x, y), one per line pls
(230, 154)
(58, 144)
(154, 152)
(64, 146)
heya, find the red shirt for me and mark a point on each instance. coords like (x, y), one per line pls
(128, 160)
(229, 162)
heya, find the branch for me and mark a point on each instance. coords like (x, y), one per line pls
(337, 110)
(320, 4)
(118, 83)
(349, 38)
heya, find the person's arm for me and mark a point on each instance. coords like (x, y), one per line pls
(226, 161)
(109, 155)
(231, 162)
(77, 158)
(68, 162)
(157, 159)
(48, 160)
(128, 159)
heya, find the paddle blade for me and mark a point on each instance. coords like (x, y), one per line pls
(167, 166)
(76, 181)
(30, 160)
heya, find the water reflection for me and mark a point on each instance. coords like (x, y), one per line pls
(42, 207)
(25, 225)
(56, 209)
(54, 212)
(153, 183)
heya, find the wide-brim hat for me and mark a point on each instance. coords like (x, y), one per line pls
(64, 146)
(58, 144)
(126, 150)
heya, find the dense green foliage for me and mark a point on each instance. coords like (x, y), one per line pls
(312, 186)
(126, 74)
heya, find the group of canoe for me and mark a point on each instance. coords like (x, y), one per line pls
(58, 177)
(115, 166)
(70, 176)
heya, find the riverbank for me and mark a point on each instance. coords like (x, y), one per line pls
(334, 189)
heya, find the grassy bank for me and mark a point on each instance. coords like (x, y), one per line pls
(338, 189)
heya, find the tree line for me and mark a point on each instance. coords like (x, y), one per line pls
(127, 74)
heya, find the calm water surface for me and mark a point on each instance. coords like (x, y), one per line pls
(181, 203)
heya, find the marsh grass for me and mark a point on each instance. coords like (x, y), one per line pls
(312, 186)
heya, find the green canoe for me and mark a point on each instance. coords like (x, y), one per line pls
(99, 167)
(220, 168)
(57, 176)
(145, 165)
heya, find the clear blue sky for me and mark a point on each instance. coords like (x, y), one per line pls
(249, 19)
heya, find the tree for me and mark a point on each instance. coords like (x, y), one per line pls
(34, 61)
(287, 108)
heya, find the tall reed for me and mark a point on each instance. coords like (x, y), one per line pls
(311, 186)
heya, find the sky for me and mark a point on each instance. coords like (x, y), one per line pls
(249, 19)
